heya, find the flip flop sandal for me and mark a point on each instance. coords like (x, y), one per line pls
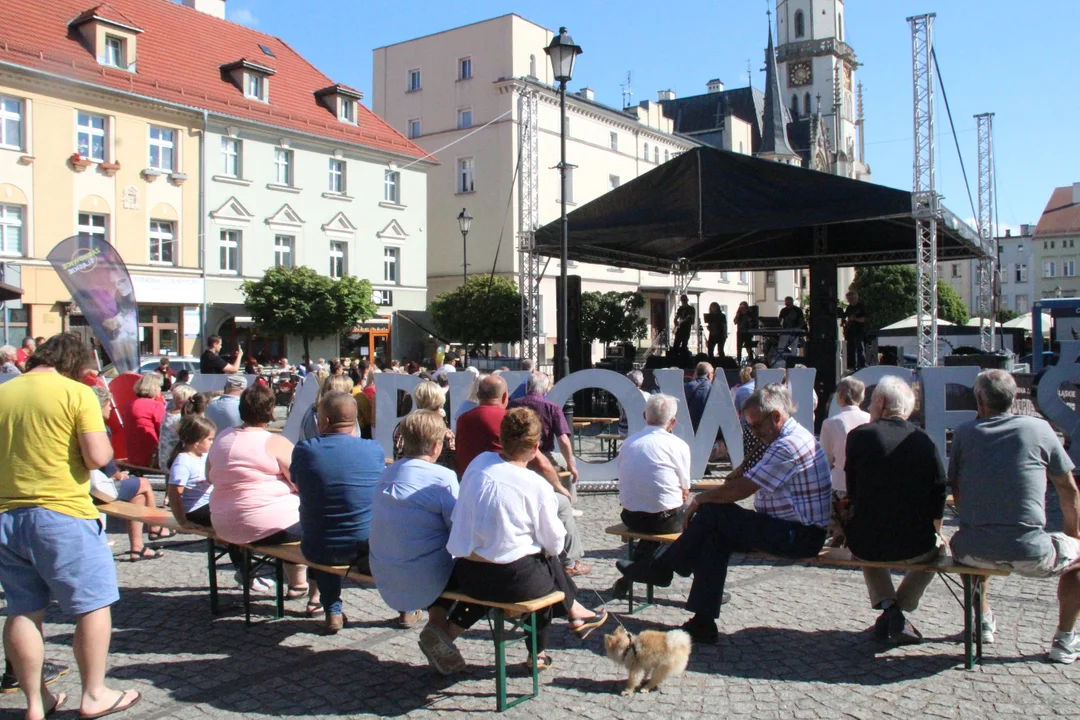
(313, 610)
(60, 700)
(545, 661)
(164, 534)
(116, 707)
(135, 556)
(585, 629)
(296, 592)
(410, 620)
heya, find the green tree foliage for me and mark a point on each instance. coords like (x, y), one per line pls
(300, 301)
(888, 293)
(1004, 315)
(485, 310)
(612, 317)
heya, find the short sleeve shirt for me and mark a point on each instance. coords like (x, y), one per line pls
(793, 475)
(42, 415)
(552, 420)
(477, 432)
(211, 363)
(189, 472)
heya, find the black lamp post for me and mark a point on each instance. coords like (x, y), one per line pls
(464, 222)
(563, 54)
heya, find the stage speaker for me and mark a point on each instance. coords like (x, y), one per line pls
(727, 363)
(755, 317)
(888, 355)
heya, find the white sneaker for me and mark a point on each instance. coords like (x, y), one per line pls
(259, 585)
(1065, 650)
(578, 513)
(989, 627)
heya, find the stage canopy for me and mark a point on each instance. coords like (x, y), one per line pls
(726, 211)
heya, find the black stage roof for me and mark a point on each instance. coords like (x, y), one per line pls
(726, 211)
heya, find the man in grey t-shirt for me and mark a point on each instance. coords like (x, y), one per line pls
(998, 470)
(224, 410)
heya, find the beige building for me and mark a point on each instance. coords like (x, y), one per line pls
(458, 94)
(1057, 245)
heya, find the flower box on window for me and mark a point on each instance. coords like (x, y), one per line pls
(177, 179)
(79, 163)
(109, 169)
(26, 160)
(151, 174)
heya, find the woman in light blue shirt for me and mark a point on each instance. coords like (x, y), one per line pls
(410, 525)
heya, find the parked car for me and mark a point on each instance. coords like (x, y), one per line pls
(149, 363)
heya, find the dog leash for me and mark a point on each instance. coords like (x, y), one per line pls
(629, 635)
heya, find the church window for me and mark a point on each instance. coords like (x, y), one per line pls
(800, 24)
(840, 28)
(794, 105)
(806, 104)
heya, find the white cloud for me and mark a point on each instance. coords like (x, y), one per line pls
(243, 16)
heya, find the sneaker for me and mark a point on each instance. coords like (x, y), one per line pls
(701, 630)
(51, 672)
(988, 628)
(259, 585)
(440, 651)
(1065, 650)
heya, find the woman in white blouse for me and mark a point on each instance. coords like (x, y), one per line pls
(506, 534)
(849, 396)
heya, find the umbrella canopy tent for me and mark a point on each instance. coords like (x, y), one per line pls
(1024, 322)
(911, 322)
(721, 210)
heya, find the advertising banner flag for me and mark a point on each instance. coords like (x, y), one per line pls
(100, 285)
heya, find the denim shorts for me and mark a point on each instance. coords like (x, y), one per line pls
(45, 554)
(127, 488)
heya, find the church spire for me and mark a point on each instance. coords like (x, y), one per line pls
(774, 139)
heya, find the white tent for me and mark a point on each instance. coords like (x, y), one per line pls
(974, 322)
(913, 321)
(1024, 323)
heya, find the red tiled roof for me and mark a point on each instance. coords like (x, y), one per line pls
(1061, 216)
(106, 12)
(180, 54)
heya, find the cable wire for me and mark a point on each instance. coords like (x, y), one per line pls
(956, 140)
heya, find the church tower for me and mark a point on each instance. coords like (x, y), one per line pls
(775, 145)
(817, 75)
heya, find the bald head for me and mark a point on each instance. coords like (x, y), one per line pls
(337, 413)
(492, 391)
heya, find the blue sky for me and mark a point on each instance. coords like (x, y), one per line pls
(999, 56)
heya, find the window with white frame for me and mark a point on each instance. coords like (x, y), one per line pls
(1068, 268)
(956, 270)
(11, 122)
(162, 148)
(392, 186)
(255, 86)
(283, 166)
(337, 176)
(162, 243)
(464, 118)
(414, 128)
(339, 260)
(91, 137)
(414, 80)
(613, 181)
(94, 225)
(1021, 272)
(724, 277)
(743, 279)
(229, 256)
(614, 141)
(11, 230)
(391, 255)
(465, 175)
(1021, 304)
(346, 110)
(465, 68)
(230, 157)
(114, 52)
(656, 154)
(646, 153)
(667, 155)
(284, 245)
(1048, 269)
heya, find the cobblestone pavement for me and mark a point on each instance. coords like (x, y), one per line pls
(795, 644)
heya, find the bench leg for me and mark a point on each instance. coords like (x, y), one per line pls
(245, 575)
(279, 575)
(969, 630)
(211, 566)
(499, 631)
(977, 598)
(630, 609)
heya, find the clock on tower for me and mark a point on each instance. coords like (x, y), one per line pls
(800, 73)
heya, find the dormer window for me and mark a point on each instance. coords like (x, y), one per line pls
(340, 100)
(254, 87)
(114, 52)
(109, 35)
(251, 78)
(346, 111)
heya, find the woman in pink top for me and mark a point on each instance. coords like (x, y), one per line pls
(834, 431)
(254, 502)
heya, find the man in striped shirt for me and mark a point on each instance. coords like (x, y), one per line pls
(792, 488)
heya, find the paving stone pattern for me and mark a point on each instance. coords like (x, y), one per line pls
(795, 643)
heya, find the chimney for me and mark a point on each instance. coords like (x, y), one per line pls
(1025, 230)
(210, 7)
(1076, 193)
(715, 86)
(587, 93)
(666, 95)
(1008, 231)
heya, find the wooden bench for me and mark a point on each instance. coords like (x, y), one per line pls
(612, 440)
(520, 615)
(972, 580)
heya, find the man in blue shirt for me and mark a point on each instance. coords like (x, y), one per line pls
(335, 475)
(697, 392)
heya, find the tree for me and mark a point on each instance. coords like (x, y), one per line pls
(1004, 315)
(612, 317)
(485, 310)
(889, 294)
(300, 301)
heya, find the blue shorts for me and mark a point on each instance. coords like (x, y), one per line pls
(46, 554)
(127, 488)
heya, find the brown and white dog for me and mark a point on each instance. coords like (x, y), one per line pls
(649, 656)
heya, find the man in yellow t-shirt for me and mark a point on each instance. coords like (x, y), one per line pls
(52, 543)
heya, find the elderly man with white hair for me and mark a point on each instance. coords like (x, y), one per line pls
(792, 488)
(8, 355)
(998, 469)
(896, 488)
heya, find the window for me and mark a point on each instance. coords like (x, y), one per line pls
(840, 28)
(743, 280)
(230, 251)
(770, 278)
(230, 157)
(337, 176)
(162, 243)
(956, 270)
(465, 68)
(1068, 268)
(392, 187)
(724, 277)
(93, 225)
(806, 104)
(800, 24)
(255, 86)
(1021, 304)
(615, 141)
(656, 155)
(1048, 269)
(339, 262)
(414, 128)
(346, 111)
(613, 181)
(92, 137)
(114, 52)
(390, 265)
(532, 66)
(667, 155)
(465, 175)
(283, 166)
(646, 152)
(10, 123)
(1021, 272)
(464, 118)
(283, 250)
(162, 146)
(414, 80)
(11, 230)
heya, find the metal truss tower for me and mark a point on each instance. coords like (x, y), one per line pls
(528, 223)
(926, 204)
(988, 261)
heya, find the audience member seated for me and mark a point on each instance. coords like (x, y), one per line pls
(188, 490)
(429, 396)
(636, 377)
(410, 525)
(478, 432)
(335, 475)
(697, 392)
(896, 486)
(792, 488)
(309, 424)
(8, 354)
(253, 501)
(143, 421)
(224, 410)
(834, 432)
(554, 428)
(998, 471)
(506, 535)
(167, 435)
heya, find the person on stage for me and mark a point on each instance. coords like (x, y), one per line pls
(716, 321)
(791, 318)
(854, 322)
(684, 323)
(743, 323)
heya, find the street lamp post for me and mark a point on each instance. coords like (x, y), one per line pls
(563, 54)
(464, 222)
